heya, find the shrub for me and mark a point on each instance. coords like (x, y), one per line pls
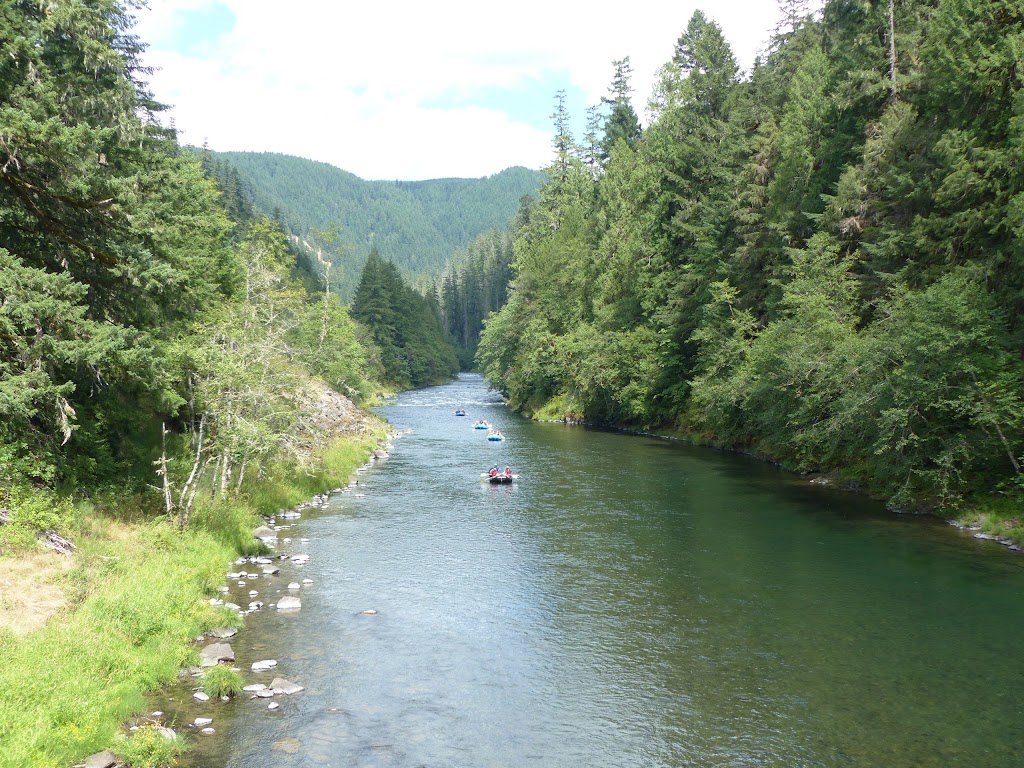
(150, 747)
(220, 681)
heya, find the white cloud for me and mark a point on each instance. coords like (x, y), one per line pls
(358, 84)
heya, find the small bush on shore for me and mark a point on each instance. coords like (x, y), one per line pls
(29, 512)
(220, 681)
(150, 747)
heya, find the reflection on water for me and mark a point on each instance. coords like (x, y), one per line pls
(627, 602)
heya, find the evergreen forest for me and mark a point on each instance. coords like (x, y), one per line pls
(820, 261)
(332, 214)
(147, 307)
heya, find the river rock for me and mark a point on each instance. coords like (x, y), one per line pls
(368, 612)
(289, 745)
(207, 731)
(223, 633)
(289, 603)
(199, 722)
(266, 693)
(101, 760)
(294, 585)
(254, 688)
(265, 532)
(214, 653)
(307, 581)
(271, 570)
(200, 696)
(273, 705)
(262, 666)
(280, 685)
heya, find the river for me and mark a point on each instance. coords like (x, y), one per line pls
(628, 601)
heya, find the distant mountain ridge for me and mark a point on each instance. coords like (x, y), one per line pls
(418, 225)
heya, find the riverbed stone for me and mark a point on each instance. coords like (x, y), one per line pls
(254, 688)
(265, 664)
(289, 745)
(368, 612)
(289, 603)
(271, 570)
(223, 633)
(286, 687)
(103, 759)
(265, 532)
(214, 653)
(273, 705)
(207, 731)
(199, 722)
(201, 696)
(294, 585)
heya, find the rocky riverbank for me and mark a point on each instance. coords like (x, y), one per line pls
(253, 587)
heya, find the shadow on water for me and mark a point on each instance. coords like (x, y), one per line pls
(628, 601)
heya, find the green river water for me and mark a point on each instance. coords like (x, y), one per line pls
(628, 601)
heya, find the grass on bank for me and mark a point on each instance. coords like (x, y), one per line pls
(138, 594)
(221, 680)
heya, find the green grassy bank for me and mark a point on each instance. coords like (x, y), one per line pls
(136, 597)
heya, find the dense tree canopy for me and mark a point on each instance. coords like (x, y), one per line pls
(417, 225)
(821, 262)
(405, 327)
(141, 296)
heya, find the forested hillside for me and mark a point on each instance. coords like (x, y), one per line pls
(410, 346)
(474, 285)
(416, 225)
(822, 262)
(143, 310)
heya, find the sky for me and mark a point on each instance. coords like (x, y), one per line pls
(411, 90)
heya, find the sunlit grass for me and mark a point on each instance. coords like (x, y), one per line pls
(66, 689)
(220, 681)
(137, 597)
(150, 747)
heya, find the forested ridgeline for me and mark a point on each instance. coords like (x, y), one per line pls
(416, 225)
(821, 262)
